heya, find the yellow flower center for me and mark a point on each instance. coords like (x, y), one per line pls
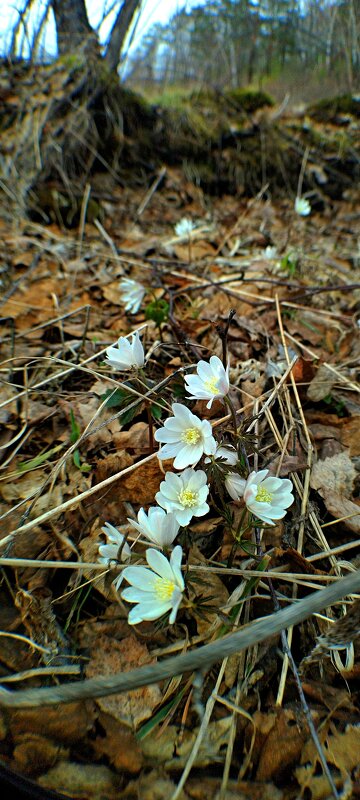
(187, 498)
(164, 588)
(191, 436)
(212, 385)
(263, 496)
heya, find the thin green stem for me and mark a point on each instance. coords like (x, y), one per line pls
(233, 416)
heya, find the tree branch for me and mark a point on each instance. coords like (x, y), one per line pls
(201, 658)
(119, 31)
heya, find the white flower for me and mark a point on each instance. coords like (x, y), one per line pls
(266, 498)
(155, 590)
(270, 252)
(125, 355)
(186, 437)
(132, 294)
(158, 526)
(115, 545)
(184, 495)
(184, 227)
(227, 454)
(302, 206)
(211, 381)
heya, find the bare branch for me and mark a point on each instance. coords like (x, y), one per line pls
(119, 31)
(201, 658)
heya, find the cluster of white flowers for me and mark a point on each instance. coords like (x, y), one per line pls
(185, 438)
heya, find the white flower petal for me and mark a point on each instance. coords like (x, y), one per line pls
(134, 595)
(132, 294)
(140, 577)
(108, 552)
(163, 591)
(211, 381)
(175, 561)
(126, 355)
(183, 516)
(267, 497)
(190, 454)
(273, 484)
(171, 451)
(302, 206)
(176, 600)
(159, 564)
(142, 612)
(185, 436)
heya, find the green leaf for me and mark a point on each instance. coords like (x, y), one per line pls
(76, 459)
(128, 416)
(289, 264)
(158, 311)
(33, 463)
(159, 716)
(156, 411)
(75, 428)
(116, 398)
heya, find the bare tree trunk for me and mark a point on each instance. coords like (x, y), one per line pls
(72, 25)
(119, 31)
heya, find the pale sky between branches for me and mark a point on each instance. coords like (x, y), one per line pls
(153, 11)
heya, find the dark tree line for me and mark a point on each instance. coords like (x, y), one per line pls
(230, 42)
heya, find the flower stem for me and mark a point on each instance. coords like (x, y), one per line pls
(189, 249)
(151, 428)
(223, 331)
(233, 416)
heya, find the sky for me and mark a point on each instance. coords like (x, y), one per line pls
(152, 11)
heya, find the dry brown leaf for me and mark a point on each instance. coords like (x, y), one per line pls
(33, 304)
(322, 384)
(336, 474)
(33, 754)
(168, 750)
(209, 591)
(135, 439)
(252, 790)
(95, 782)
(112, 293)
(87, 414)
(346, 429)
(111, 464)
(67, 727)
(110, 656)
(23, 486)
(154, 786)
(350, 434)
(27, 486)
(341, 750)
(139, 486)
(340, 506)
(282, 746)
(288, 463)
(118, 745)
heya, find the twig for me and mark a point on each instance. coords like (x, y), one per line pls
(150, 193)
(84, 205)
(203, 657)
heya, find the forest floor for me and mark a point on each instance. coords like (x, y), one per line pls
(78, 451)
